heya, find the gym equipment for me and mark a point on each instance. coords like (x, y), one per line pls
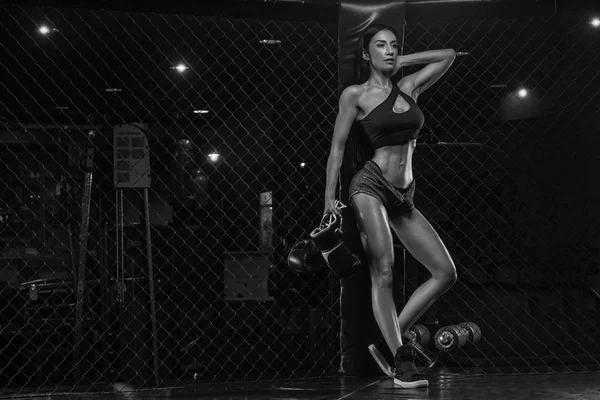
(131, 160)
(304, 257)
(418, 336)
(328, 238)
(451, 337)
(473, 331)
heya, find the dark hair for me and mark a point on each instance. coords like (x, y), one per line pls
(361, 66)
(358, 148)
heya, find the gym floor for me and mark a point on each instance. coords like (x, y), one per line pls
(555, 386)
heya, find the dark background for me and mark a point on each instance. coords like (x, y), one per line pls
(509, 183)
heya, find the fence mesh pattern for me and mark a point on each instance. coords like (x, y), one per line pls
(511, 140)
(156, 170)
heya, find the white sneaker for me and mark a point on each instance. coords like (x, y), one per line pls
(383, 364)
(407, 375)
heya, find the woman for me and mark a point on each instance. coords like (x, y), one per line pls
(381, 193)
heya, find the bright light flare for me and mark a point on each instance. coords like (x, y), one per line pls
(595, 22)
(302, 165)
(45, 30)
(269, 41)
(522, 93)
(214, 157)
(182, 67)
(200, 111)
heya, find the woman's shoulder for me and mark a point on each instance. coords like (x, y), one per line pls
(353, 92)
(354, 89)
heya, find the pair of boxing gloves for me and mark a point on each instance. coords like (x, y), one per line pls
(326, 239)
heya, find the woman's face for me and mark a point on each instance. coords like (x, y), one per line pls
(383, 50)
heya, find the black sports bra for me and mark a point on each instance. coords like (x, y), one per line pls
(384, 127)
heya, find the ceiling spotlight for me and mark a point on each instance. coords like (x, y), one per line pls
(214, 157)
(269, 41)
(181, 67)
(522, 92)
(595, 22)
(44, 30)
(302, 165)
(200, 111)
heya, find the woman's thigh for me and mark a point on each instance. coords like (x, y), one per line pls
(374, 228)
(423, 242)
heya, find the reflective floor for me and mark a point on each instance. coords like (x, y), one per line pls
(464, 387)
(574, 386)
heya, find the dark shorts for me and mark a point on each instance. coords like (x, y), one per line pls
(370, 180)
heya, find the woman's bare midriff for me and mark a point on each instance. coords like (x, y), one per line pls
(396, 163)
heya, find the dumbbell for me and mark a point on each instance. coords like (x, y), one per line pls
(418, 336)
(419, 333)
(473, 330)
(451, 337)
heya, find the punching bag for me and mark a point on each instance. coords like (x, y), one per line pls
(358, 326)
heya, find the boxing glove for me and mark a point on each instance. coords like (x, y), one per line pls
(304, 256)
(328, 238)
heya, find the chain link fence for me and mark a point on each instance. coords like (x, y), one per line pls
(158, 168)
(153, 184)
(504, 172)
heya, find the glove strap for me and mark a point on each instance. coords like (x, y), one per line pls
(326, 253)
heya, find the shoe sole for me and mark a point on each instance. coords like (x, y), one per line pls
(380, 360)
(411, 385)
